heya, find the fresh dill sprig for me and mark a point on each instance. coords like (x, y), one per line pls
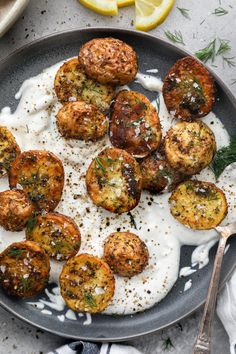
(224, 157)
(17, 252)
(175, 37)
(26, 283)
(219, 11)
(233, 81)
(167, 344)
(132, 220)
(184, 12)
(88, 297)
(224, 47)
(229, 61)
(32, 222)
(207, 53)
(99, 164)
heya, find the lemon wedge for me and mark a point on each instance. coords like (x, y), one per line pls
(123, 3)
(150, 13)
(103, 7)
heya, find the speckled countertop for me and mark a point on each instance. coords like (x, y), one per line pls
(43, 17)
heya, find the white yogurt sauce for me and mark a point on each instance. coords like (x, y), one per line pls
(188, 285)
(33, 125)
(46, 312)
(71, 315)
(150, 83)
(88, 320)
(186, 271)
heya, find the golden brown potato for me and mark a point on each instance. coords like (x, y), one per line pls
(125, 253)
(135, 125)
(41, 175)
(189, 147)
(109, 61)
(113, 180)
(188, 89)
(24, 269)
(72, 84)
(198, 205)
(157, 174)
(87, 284)
(15, 210)
(9, 150)
(58, 234)
(80, 120)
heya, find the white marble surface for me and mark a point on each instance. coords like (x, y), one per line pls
(43, 17)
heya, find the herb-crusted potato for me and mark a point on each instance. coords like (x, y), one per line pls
(198, 205)
(109, 60)
(15, 210)
(157, 174)
(87, 283)
(113, 180)
(72, 84)
(41, 175)
(125, 253)
(188, 89)
(9, 150)
(190, 147)
(24, 269)
(58, 234)
(135, 125)
(81, 120)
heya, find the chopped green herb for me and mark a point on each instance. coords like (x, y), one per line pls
(99, 164)
(132, 220)
(233, 81)
(17, 252)
(224, 47)
(167, 344)
(31, 224)
(60, 244)
(184, 12)
(88, 297)
(220, 11)
(229, 61)
(207, 53)
(164, 173)
(175, 37)
(26, 283)
(157, 104)
(224, 157)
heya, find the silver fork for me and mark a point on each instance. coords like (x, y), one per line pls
(203, 342)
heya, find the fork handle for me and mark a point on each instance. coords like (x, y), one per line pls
(203, 342)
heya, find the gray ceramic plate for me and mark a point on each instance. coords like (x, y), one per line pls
(153, 53)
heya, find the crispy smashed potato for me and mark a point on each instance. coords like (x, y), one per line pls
(15, 210)
(190, 147)
(9, 150)
(72, 84)
(80, 120)
(41, 175)
(109, 61)
(24, 269)
(87, 284)
(157, 174)
(135, 125)
(198, 205)
(125, 253)
(188, 89)
(58, 234)
(113, 180)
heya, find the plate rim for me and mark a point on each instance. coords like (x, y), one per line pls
(180, 51)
